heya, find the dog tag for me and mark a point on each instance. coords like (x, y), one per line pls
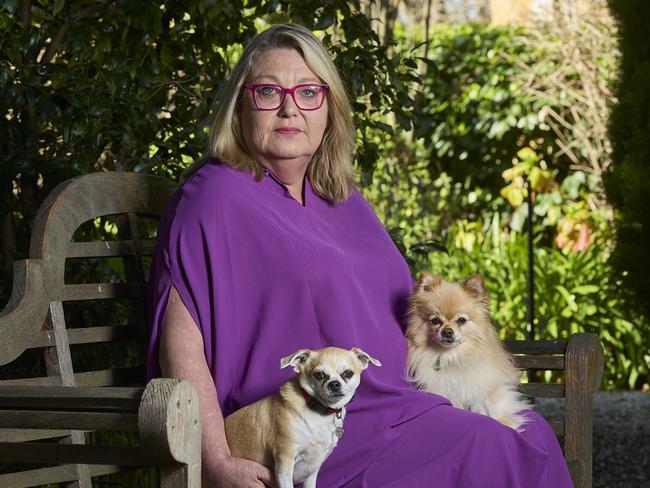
(338, 429)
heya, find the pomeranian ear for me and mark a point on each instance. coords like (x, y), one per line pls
(428, 282)
(475, 286)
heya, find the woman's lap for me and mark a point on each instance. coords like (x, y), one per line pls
(448, 447)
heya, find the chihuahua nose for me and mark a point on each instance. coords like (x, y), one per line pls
(447, 333)
(334, 385)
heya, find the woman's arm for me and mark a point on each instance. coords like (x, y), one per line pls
(181, 356)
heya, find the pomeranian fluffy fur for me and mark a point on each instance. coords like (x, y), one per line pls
(455, 351)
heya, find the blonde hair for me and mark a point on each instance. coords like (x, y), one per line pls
(330, 170)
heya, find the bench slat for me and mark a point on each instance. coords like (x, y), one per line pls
(91, 335)
(108, 333)
(107, 377)
(115, 399)
(48, 453)
(25, 435)
(26, 419)
(54, 474)
(111, 377)
(543, 390)
(102, 249)
(539, 362)
(536, 346)
(102, 291)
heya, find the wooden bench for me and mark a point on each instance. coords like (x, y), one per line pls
(75, 329)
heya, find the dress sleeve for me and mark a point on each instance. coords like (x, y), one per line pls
(182, 260)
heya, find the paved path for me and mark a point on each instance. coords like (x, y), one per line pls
(621, 438)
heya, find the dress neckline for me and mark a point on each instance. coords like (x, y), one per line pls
(306, 188)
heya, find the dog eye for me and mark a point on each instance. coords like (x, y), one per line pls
(347, 374)
(435, 320)
(319, 375)
(461, 320)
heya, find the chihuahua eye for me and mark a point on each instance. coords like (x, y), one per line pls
(461, 320)
(347, 374)
(435, 320)
(319, 375)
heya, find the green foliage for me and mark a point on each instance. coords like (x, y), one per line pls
(627, 182)
(472, 114)
(458, 214)
(129, 85)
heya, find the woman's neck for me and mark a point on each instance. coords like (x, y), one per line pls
(291, 173)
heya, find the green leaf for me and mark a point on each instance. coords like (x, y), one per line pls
(527, 155)
(58, 6)
(585, 289)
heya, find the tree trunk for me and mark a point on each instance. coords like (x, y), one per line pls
(391, 8)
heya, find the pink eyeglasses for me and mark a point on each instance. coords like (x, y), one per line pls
(306, 96)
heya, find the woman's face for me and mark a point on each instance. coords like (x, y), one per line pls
(286, 134)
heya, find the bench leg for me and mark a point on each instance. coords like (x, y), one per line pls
(180, 476)
(584, 371)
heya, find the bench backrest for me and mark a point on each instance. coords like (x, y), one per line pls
(76, 315)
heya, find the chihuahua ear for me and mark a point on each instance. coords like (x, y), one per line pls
(428, 282)
(475, 286)
(364, 357)
(296, 359)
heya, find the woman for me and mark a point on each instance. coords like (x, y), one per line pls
(267, 248)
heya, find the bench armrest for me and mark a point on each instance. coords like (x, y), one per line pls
(165, 414)
(584, 372)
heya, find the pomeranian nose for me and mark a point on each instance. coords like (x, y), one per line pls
(447, 333)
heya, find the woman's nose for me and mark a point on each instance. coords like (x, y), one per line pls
(288, 107)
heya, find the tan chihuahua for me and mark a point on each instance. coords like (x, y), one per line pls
(294, 430)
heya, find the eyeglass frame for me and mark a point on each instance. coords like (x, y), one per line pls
(291, 91)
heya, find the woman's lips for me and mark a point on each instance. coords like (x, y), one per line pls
(288, 130)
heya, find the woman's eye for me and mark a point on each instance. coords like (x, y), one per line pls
(461, 320)
(267, 91)
(347, 374)
(307, 92)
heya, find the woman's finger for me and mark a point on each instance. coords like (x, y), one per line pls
(267, 477)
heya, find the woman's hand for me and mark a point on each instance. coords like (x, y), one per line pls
(235, 472)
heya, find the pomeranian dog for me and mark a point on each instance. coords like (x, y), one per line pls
(455, 351)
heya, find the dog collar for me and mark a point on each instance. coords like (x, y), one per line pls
(318, 406)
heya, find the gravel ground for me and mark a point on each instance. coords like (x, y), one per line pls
(621, 437)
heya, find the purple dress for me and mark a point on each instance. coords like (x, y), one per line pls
(263, 276)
